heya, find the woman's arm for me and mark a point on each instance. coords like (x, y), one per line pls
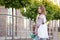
(37, 22)
(44, 20)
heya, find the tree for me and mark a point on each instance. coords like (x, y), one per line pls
(53, 11)
(1, 2)
(15, 3)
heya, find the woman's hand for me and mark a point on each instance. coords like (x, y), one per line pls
(47, 22)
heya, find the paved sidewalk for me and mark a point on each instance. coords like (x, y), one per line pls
(16, 39)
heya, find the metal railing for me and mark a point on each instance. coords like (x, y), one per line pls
(21, 29)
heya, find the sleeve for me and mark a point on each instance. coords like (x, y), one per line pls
(38, 23)
(43, 19)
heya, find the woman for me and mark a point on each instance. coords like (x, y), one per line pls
(41, 30)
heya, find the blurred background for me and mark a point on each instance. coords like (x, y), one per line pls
(16, 22)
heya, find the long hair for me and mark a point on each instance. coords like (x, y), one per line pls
(43, 9)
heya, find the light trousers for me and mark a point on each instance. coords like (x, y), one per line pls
(43, 39)
(37, 38)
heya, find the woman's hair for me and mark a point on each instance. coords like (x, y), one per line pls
(43, 9)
